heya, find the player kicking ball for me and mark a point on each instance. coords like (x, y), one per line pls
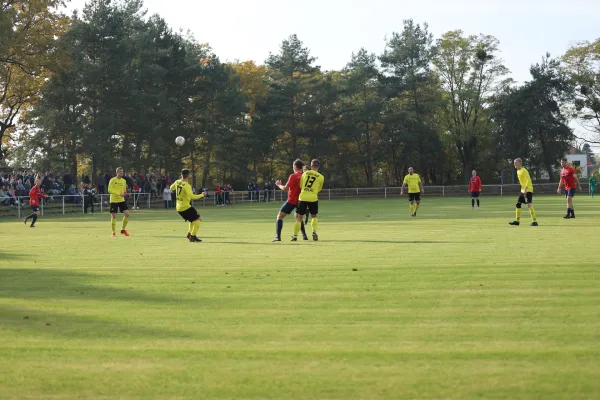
(184, 196)
(293, 188)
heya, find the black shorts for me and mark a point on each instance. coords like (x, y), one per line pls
(311, 206)
(525, 198)
(414, 196)
(287, 208)
(190, 214)
(35, 208)
(118, 207)
(570, 193)
(475, 194)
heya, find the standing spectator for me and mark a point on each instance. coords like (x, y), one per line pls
(100, 184)
(226, 191)
(257, 191)
(250, 191)
(88, 198)
(87, 180)
(153, 188)
(67, 180)
(218, 194)
(167, 197)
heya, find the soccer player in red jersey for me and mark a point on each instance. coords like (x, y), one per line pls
(474, 188)
(35, 194)
(568, 178)
(293, 188)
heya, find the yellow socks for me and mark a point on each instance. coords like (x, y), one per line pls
(417, 207)
(195, 227)
(125, 221)
(519, 210)
(412, 208)
(314, 223)
(297, 226)
(191, 227)
(113, 223)
(532, 212)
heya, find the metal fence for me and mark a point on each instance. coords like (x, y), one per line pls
(19, 207)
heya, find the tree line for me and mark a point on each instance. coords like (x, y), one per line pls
(112, 86)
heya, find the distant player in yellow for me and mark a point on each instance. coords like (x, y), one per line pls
(526, 196)
(311, 184)
(117, 188)
(184, 195)
(415, 188)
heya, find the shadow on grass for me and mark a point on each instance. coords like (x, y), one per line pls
(52, 284)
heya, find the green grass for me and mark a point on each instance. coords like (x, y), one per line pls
(452, 304)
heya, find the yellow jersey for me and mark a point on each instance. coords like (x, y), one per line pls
(412, 181)
(311, 184)
(117, 188)
(525, 180)
(183, 191)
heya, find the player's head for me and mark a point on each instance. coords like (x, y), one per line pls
(474, 173)
(518, 163)
(119, 172)
(564, 162)
(298, 165)
(37, 182)
(315, 164)
(185, 174)
(411, 170)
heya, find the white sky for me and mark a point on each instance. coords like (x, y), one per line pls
(333, 29)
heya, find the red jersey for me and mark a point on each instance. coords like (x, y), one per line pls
(567, 174)
(35, 194)
(475, 184)
(293, 185)
(218, 189)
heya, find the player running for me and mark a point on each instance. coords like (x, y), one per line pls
(35, 194)
(474, 188)
(526, 196)
(293, 188)
(415, 188)
(184, 196)
(311, 184)
(593, 182)
(568, 178)
(117, 188)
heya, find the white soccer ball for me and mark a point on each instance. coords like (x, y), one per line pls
(179, 141)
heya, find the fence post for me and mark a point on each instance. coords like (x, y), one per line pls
(329, 190)
(19, 207)
(385, 191)
(149, 205)
(356, 192)
(101, 202)
(42, 204)
(501, 190)
(443, 191)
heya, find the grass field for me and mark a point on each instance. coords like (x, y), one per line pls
(452, 304)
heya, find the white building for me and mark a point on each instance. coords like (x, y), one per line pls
(579, 160)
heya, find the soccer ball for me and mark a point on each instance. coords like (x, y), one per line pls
(179, 141)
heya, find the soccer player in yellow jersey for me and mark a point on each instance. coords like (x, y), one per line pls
(415, 188)
(311, 184)
(117, 188)
(526, 196)
(184, 195)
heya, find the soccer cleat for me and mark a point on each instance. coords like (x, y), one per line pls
(315, 236)
(534, 224)
(413, 214)
(189, 235)
(32, 226)
(277, 239)
(567, 216)
(514, 223)
(304, 237)
(294, 239)
(195, 239)
(124, 232)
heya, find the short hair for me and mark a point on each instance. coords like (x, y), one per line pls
(518, 159)
(298, 163)
(564, 159)
(315, 163)
(119, 168)
(185, 173)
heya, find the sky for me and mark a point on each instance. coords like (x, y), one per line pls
(333, 29)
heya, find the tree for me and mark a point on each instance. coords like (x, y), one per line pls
(28, 33)
(583, 64)
(471, 73)
(529, 119)
(409, 81)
